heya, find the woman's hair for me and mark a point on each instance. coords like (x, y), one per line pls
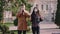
(22, 4)
(20, 8)
(34, 8)
(38, 13)
(37, 10)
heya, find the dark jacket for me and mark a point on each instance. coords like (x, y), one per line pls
(34, 19)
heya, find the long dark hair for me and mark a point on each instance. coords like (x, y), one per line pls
(33, 15)
(35, 12)
(38, 13)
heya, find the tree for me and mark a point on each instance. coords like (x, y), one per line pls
(57, 19)
(1, 9)
(16, 4)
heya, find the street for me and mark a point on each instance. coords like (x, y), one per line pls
(50, 31)
(49, 28)
(45, 28)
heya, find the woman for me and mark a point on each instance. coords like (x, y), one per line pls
(35, 19)
(22, 24)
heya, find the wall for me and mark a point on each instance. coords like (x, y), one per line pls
(52, 7)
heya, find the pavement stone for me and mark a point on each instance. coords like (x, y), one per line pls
(45, 28)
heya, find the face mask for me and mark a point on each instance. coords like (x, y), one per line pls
(35, 10)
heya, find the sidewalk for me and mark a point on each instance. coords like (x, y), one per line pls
(44, 25)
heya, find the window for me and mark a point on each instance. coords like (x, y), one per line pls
(46, 7)
(42, 7)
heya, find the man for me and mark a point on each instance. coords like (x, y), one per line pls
(35, 19)
(22, 24)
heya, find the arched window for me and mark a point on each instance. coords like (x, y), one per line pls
(42, 7)
(46, 7)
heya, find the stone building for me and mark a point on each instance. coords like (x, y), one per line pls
(47, 8)
(7, 17)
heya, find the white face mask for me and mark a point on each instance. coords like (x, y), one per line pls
(35, 10)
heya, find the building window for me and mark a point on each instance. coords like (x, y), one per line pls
(42, 7)
(46, 7)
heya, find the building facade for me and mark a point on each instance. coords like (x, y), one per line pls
(47, 8)
(7, 17)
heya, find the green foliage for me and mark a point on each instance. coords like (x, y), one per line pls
(29, 23)
(2, 3)
(57, 19)
(15, 6)
(4, 28)
(24, 1)
(28, 7)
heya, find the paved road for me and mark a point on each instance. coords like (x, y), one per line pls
(43, 26)
(50, 31)
(49, 28)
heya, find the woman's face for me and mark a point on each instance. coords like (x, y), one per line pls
(35, 9)
(23, 7)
